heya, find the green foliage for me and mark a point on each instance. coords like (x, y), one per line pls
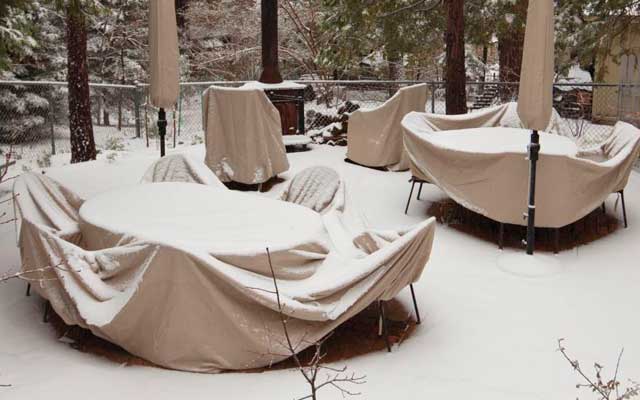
(16, 30)
(362, 28)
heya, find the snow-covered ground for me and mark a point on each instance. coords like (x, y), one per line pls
(491, 318)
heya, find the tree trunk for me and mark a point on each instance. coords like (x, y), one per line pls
(393, 60)
(510, 48)
(181, 9)
(83, 147)
(122, 81)
(456, 95)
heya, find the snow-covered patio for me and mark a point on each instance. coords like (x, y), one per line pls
(490, 319)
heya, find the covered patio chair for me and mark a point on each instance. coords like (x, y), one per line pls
(374, 136)
(181, 168)
(243, 136)
(323, 190)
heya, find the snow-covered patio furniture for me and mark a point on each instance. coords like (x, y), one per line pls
(322, 190)
(181, 168)
(505, 115)
(484, 168)
(374, 136)
(242, 135)
(178, 273)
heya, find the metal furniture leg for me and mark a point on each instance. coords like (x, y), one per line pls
(420, 190)
(383, 324)
(47, 308)
(28, 290)
(624, 208)
(415, 304)
(413, 184)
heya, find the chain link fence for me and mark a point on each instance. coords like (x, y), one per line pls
(34, 115)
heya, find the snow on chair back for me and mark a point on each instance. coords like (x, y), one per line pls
(314, 187)
(180, 168)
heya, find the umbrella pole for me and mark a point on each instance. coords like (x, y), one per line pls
(162, 128)
(534, 151)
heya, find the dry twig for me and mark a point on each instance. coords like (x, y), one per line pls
(337, 378)
(606, 389)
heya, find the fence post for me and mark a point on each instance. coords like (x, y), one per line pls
(51, 126)
(620, 96)
(136, 108)
(433, 98)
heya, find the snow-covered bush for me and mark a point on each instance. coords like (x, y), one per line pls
(114, 143)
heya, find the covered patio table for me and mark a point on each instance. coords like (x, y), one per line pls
(196, 217)
(178, 273)
(501, 141)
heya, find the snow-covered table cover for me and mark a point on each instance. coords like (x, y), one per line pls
(486, 170)
(243, 135)
(374, 136)
(177, 273)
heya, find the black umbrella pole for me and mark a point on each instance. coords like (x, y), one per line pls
(162, 129)
(534, 151)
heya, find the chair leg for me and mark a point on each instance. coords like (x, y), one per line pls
(47, 308)
(420, 190)
(413, 184)
(624, 209)
(415, 304)
(383, 325)
(500, 235)
(28, 290)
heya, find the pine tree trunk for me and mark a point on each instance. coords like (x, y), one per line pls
(456, 95)
(510, 49)
(83, 147)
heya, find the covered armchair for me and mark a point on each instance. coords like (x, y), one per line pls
(374, 136)
(243, 136)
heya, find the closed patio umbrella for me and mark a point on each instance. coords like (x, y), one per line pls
(163, 60)
(535, 99)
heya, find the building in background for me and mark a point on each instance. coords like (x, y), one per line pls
(621, 68)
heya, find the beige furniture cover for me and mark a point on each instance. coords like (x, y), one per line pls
(243, 135)
(200, 304)
(492, 179)
(374, 136)
(163, 53)
(535, 94)
(181, 168)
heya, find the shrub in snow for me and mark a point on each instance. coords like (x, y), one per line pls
(114, 143)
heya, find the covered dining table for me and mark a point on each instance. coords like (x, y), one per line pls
(485, 168)
(179, 273)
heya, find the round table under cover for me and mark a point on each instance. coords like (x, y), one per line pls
(195, 216)
(501, 141)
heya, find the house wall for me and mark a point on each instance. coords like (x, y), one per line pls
(611, 104)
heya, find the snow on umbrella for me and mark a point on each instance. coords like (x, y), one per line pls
(535, 98)
(163, 60)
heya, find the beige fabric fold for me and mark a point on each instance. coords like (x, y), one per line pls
(535, 94)
(163, 53)
(374, 136)
(492, 178)
(243, 135)
(198, 308)
(504, 115)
